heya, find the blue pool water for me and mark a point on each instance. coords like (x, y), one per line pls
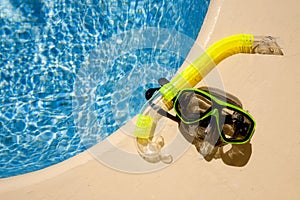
(45, 44)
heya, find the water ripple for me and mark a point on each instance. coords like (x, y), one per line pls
(43, 45)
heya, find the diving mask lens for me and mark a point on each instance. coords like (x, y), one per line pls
(238, 126)
(191, 106)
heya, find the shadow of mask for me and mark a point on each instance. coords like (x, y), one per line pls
(208, 143)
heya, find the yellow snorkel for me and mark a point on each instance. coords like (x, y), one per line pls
(149, 144)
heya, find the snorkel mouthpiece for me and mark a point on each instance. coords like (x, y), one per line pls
(149, 146)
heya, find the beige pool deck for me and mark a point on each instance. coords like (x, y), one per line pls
(268, 86)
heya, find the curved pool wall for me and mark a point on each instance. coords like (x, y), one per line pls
(42, 49)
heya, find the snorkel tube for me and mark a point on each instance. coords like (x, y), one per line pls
(150, 143)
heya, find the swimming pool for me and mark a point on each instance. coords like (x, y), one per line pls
(44, 45)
